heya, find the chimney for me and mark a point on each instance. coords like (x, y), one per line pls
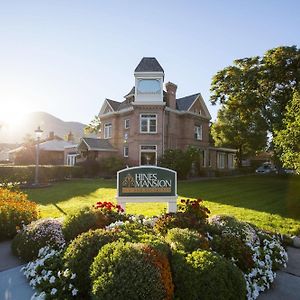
(51, 136)
(70, 137)
(171, 94)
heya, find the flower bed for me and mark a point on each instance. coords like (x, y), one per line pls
(166, 257)
(15, 210)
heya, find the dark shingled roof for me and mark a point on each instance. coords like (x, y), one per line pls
(185, 102)
(149, 64)
(132, 91)
(114, 104)
(98, 144)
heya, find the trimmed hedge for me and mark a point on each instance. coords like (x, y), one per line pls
(26, 174)
(206, 275)
(130, 271)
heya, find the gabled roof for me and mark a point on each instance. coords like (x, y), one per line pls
(114, 104)
(54, 145)
(149, 64)
(185, 103)
(97, 144)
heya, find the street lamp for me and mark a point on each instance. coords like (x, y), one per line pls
(38, 133)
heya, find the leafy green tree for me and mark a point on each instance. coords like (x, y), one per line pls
(94, 126)
(287, 140)
(254, 93)
(239, 129)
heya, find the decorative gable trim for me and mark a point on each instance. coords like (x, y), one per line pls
(104, 107)
(203, 105)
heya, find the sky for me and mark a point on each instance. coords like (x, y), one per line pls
(66, 56)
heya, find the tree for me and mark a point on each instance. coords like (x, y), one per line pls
(94, 126)
(287, 140)
(254, 93)
(239, 129)
(240, 123)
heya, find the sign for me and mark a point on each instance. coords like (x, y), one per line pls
(147, 184)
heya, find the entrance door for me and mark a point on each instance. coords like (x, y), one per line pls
(148, 155)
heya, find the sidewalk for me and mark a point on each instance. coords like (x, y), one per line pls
(14, 286)
(287, 282)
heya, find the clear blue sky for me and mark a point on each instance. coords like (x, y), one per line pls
(66, 57)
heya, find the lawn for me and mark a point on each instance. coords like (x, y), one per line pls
(272, 203)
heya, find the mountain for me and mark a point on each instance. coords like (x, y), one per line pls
(15, 133)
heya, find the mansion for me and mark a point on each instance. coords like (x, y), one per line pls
(151, 120)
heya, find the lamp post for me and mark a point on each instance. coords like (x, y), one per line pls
(38, 134)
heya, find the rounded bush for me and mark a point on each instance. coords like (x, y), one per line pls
(129, 271)
(81, 251)
(15, 210)
(206, 275)
(79, 222)
(36, 235)
(138, 233)
(232, 247)
(186, 240)
(90, 218)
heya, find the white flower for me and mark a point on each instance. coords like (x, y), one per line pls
(52, 279)
(53, 291)
(73, 276)
(74, 292)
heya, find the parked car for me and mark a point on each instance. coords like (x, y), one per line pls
(266, 168)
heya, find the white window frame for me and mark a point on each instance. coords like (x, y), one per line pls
(107, 130)
(126, 152)
(71, 159)
(126, 123)
(153, 150)
(149, 118)
(198, 132)
(230, 160)
(221, 160)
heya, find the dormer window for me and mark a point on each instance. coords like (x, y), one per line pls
(149, 86)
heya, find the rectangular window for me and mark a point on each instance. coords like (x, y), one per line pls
(126, 151)
(198, 132)
(230, 161)
(126, 124)
(148, 123)
(204, 158)
(209, 158)
(107, 130)
(221, 160)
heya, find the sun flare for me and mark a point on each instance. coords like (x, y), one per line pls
(13, 114)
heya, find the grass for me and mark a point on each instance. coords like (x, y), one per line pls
(272, 203)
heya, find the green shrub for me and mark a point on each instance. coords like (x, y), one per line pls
(111, 165)
(36, 235)
(89, 218)
(15, 210)
(80, 253)
(79, 222)
(26, 174)
(186, 240)
(90, 167)
(138, 233)
(205, 275)
(191, 214)
(126, 271)
(232, 247)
